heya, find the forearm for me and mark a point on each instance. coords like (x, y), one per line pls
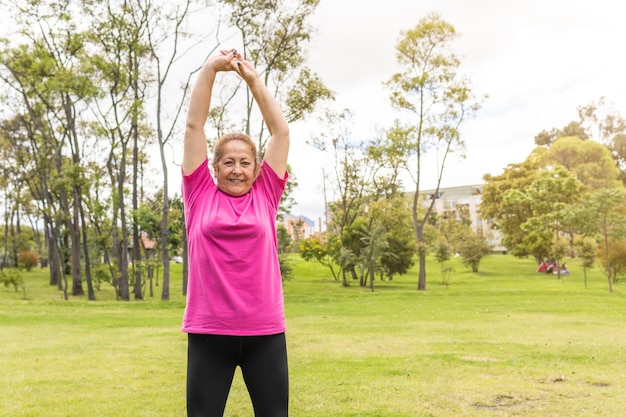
(195, 151)
(270, 110)
(200, 99)
(278, 147)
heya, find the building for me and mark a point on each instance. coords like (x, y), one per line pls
(300, 227)
(456, 200)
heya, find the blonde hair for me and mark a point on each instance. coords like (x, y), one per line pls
(220, 144)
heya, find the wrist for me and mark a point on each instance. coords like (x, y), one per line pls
(255, 82)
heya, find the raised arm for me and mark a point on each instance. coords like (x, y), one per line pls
(278, 146)
(195, 146)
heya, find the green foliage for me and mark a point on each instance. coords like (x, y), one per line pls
(586, 251)
(613, 259)
(590, 162)
(443, 252)
(13, 277)
(503, 202)
(325, 250)
(436, 99)
(286, 269)
(105, 273)
(473, 248)
(284, 239)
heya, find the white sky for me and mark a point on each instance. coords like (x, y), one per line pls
(538, 60)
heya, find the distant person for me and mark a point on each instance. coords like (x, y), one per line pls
(234, 314)
(564, 269)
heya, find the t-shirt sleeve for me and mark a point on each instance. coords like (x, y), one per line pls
(195, 183)
(271, 184)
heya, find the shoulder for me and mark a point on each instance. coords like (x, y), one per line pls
(198, 180)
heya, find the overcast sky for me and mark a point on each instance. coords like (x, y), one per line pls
(537, 60)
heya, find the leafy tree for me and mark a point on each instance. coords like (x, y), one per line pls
(48, 74)
(388, 155)
(586, 251)
(391, 218)
(443, 252)
(558, 250)
(437, 100)
(612, 255)
(165, 29)
(575, 129)
(13, 277)
(284, 243)
(591, 162)
(284, 239)
(606, 208)
(353, 243)
(454, 224)
(473, 248)
(503, 201)
(325, 250)
(551, 197)
(350, 174)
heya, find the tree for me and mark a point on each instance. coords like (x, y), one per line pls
(388, 155)
(607, 206)
(47, 71)
(589, 161)
(503, 200)
(473, 248)
(165, 30)
(586, 250)
(551, 197)
(326, 251)
(545, 138)
(437, 100)
(394, 217)
(443, 252)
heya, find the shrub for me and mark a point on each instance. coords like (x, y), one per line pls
(28, 259)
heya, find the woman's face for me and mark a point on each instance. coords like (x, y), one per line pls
(236, 169)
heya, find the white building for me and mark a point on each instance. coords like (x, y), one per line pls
(454, 200)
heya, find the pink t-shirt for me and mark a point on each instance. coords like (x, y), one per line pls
(235, 286)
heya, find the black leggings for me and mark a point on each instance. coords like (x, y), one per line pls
(211, 363)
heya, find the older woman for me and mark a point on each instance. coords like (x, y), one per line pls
(234, 314)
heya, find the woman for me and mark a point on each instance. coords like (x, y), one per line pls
(234, 314)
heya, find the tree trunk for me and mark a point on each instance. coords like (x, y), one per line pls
(77, 280)
(90, 292)
(123, 242)
(165, 257)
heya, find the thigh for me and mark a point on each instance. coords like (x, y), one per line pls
(211, 363)
(264, 368)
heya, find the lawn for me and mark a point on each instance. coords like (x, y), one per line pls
(506, 341)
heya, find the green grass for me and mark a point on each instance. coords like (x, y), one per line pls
(503, 342)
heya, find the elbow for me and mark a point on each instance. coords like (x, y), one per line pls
(282, 131)
(192, 128)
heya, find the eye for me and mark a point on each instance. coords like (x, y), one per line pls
(228, 163)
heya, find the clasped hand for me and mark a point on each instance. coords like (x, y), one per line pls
(231, 60)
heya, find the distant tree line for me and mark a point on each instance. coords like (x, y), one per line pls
(567, 199)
